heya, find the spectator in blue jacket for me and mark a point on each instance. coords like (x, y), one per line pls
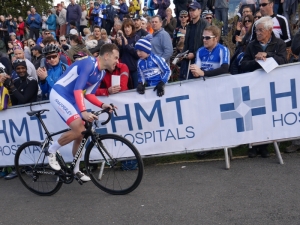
(35, 22)
(152, 69)
(49, 76)
(51, 21)
(11, 24)
(161, 5)
(110, 15)
(123, 9)
(73, 14)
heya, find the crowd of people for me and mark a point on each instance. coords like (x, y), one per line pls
(37, 50)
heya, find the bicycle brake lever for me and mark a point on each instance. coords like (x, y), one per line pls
(113, 108)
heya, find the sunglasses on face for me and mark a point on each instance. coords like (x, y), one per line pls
(207, 37)
(263, 4)
(258, 17)
(63, 40)
(49, 57)
(247, 21)
(32, 45)
(183, 17)
(208, 18)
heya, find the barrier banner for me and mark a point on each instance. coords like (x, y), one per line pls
(195, 115)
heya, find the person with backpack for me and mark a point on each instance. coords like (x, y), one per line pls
(48, 77)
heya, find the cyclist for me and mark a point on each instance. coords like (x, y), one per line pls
(67, 97)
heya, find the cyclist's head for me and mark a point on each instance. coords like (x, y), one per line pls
(51, 53)
(109, 56)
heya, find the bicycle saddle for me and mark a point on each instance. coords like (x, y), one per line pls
(38, 112)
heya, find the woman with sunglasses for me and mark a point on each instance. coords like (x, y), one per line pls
(56, 68)
(213, 58)
(257, 15)
(244, 37)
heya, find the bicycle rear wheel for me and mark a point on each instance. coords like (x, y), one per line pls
(118, 175)
(34, 171)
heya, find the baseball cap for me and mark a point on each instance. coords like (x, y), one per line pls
(12, 33)
(37, 48)
(183, 12)
(73, 32)
(195, 5)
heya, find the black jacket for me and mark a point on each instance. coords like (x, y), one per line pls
(296, 44)
(276, 49)
(26, 91)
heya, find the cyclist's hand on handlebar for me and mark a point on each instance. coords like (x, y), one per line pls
(105, 106)
(88, 116)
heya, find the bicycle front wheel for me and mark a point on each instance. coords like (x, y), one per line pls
(34, 171)
(114, 164)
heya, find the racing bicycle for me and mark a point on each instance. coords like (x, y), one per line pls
(112, 162)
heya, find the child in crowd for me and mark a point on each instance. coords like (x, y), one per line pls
(91, 42)
(86, 32)
(104, 37)
(152, 69)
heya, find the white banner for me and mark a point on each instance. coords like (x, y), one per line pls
(193, 115)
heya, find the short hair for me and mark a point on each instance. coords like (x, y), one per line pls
(216, 31)
(76, 39)
(48, 40)
(97, 27)
(62, 36)
(86, 29)
(266, 21)
(157, 16)
(107, 48)
(247, 6)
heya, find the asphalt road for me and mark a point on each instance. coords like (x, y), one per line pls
(253, 191)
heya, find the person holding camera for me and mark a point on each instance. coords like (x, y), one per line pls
(126, 39)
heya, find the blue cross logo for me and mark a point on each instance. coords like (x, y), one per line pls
(229, 110)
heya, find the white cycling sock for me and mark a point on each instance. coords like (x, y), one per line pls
(54, 147)
(76, 168)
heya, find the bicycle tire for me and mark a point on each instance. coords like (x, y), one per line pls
(42, 184)
(120, 179)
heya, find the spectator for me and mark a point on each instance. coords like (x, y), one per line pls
(45, 34)
(49, 76)
(110, 15)
(152, 69)
(14, 40)
(239, 26)
(11, 24)
(289, 10)
(76, 46)
(138, 26)
(149, 26)
(97, 14)
(37, 56)
(169, 23)
(73, 14)
(123, 9)
(63, 42)
(116, 28)
(4, 35)
(144, 22)
(221, 14)
(206, 65)
(104, 37)
(62, 19)
(257, 15)
(10, 50)
(91, 41)
(34, 20)
(192, 42)
(86, 32)
(161, 5)
(208, 16)
(51, 20)
(83, 20)
(97, 34)
(161, 42)
(2, 47)
(126, 41)
(280, 28)
(244, 31)
(106, 87)
(180, 31)
(20, 29)
(89, 17)
(247, 3)
(264, 46)
(180, 5)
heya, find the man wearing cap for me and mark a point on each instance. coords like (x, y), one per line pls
(37, 56)
(161, 5)
(62, 19)
(180, 31)
(34, 20)
(180, 5)
(73, 14)
(161, 42)
(138, 26)
(193, 38)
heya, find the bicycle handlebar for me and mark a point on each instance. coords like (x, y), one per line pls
(107, 110)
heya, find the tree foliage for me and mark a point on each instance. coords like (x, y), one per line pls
(20, 7)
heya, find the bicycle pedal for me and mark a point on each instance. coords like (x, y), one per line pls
(78, 180)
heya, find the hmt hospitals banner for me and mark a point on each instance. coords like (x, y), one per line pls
(193, 115)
